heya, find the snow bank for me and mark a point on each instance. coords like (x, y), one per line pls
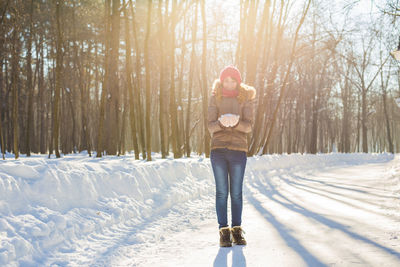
(292, 162)
(51, 206)
(45, 203)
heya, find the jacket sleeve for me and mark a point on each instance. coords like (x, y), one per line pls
(246, 122)
(212, 117)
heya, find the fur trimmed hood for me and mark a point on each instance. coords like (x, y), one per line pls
(250, 91)
(246, 92)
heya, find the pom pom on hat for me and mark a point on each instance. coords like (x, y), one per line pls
(230, 71)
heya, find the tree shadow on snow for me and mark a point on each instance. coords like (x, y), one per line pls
(326, 193)
(238, 258)
(290, 240)
(270, 191)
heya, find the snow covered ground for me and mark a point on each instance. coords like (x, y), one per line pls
(299, 210)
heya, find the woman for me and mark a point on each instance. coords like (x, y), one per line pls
(230, 119)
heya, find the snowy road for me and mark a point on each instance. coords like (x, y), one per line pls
(299, 210)
(342, 216)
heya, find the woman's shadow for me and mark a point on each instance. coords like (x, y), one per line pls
(238, 259)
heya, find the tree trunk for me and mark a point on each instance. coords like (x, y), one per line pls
(29, 86)
(41, 100)
(191, 71)
(358, 122)
(181, 123)
(172, 98)
(364, 120)
(137, 91)
(87, 96)
(162, 107)
(84, 137)
(1, 138)
(129, 85)
(345, 94)
(204, 81)
(3, 150)
(56, 108)
(385, 111)
(121, 144)
(105, 80)
(113, 106)
(14, 84)
(251, 54)
(148, 88)
(314, 98)
(242, 44)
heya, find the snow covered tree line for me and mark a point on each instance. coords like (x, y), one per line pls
(117, 75)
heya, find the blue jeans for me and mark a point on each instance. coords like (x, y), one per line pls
(225, 161)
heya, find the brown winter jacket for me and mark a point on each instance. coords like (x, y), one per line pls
(234, 138)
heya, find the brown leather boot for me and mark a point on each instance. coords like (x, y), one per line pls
(225, 237)
(237, 236)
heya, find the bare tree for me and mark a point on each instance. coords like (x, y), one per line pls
(147, 66)
(129, 84)
(162, 107)
(285, 80)
(363, 85)
(138, 85)
(29, 85)
(191, 71)
(105, 79)
(15, 90)
(204, 79)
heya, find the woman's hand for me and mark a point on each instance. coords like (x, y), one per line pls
(229, 120)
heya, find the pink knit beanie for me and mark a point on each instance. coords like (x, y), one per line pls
(230, 71)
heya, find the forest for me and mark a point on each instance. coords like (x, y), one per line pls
(116, 76)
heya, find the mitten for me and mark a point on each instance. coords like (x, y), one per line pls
(229, 120)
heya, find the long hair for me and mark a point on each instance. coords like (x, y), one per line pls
(217, 91)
